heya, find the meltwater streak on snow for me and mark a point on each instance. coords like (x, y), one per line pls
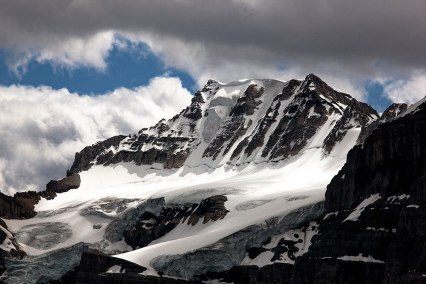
(272, 188)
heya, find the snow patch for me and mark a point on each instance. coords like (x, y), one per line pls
(356, 213)
(360, 257)
(413, 206)
(114, 269)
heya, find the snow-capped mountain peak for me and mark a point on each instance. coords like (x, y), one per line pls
(237, 123)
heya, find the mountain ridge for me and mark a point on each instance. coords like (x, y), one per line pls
(244, 131)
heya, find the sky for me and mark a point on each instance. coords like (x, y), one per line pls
(74, 72)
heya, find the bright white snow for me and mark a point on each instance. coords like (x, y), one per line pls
(358, 210)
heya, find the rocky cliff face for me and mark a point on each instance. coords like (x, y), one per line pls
(374, 228)
(21, 205)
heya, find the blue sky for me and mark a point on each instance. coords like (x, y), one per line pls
(130, 67)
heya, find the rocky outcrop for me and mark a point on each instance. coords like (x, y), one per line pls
(119, 226)
(393, 111)
(374, 230)
(237, 126)
(210, 209)
(270, 117)
(21, 206)
(152, 225)
(9, 248)
(63, 185)
(85, 159)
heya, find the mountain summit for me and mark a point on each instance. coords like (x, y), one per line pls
(238, 123)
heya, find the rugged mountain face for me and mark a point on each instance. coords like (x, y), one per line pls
(232, 189)
(375, 210)
(393, 111)
(241, 122)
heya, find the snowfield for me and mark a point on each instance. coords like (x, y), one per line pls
(263, 190)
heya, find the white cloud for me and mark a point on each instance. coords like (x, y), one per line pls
(42, 128)
(406, 91)
(71, 53)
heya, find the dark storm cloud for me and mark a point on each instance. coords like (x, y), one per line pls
(393, 32)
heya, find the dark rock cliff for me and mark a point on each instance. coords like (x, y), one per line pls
(21, 205)
(17, 207)
(375, 228)
(70, 182)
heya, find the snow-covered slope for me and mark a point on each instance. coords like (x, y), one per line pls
(243, 154)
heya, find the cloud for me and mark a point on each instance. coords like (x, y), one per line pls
(69, 53)
(42, 128)
(226, 40)
(323, 29)
(406, 91)
(75, 51)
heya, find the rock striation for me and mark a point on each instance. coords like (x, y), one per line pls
(262, 120)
